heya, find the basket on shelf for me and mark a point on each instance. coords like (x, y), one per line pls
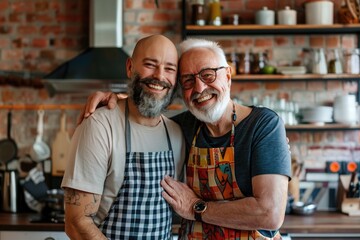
(350, 12)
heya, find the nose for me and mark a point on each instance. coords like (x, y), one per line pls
(199, 86)
(159, 73)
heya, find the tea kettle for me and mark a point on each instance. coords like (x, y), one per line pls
(9, 191)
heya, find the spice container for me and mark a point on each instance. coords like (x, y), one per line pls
(352, 61)
(286, 16)
(233, 19)
(335, 63)
(260, 61)
(198, 16)
(232, 61)
(244, 65)
(265, 17)
(215, 13)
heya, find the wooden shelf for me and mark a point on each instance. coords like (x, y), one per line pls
(63, 107)
(42, 106)
(295, 77)
(253, 29)
(325, 127)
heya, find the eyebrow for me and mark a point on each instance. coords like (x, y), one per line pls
(156, 61)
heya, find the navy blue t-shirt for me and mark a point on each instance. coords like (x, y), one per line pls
(260, 145)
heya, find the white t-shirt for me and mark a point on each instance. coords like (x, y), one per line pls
(96, 160)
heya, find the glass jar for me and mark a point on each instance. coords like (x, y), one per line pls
(352, 61)
(198, 16)
(232, 61)
(335, 63)
(244, 65)
(215, 13)
(259, 62)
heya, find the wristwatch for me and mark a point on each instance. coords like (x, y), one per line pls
(199, 208)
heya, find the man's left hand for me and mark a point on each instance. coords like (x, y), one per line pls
(179, 196)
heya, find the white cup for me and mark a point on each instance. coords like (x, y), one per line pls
(286, 16)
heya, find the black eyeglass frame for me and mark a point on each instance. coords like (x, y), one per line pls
(199, 75)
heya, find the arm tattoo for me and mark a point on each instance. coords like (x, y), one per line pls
(90, 210)
(72, 197)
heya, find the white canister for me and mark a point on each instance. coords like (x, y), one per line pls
(319, 12)
(286, 16)
(345, 109)
(265, 17)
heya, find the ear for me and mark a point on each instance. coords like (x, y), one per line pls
(129, 64)
(228, 75)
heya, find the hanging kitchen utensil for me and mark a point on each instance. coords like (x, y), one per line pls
(60, 148)
(8, 147)
(40, 150)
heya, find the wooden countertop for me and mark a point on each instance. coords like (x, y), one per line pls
(320, 222)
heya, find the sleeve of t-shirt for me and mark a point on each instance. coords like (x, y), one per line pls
(88, 156)
(271, 152)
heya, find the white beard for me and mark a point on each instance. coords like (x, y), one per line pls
(213, 113)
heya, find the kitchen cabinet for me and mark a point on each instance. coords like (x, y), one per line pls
(299, 29)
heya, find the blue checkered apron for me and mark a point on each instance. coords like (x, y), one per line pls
(139, 211)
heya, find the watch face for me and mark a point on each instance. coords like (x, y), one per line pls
(199, 206)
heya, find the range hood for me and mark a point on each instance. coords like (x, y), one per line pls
(101, 66)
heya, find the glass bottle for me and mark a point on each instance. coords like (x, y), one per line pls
(244, 65)
(198, 16)
(258, 63)
(335, 65)
(215, 13)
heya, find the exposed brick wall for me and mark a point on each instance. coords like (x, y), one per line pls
(38, 35)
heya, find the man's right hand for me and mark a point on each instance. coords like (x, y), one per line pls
(99, 99)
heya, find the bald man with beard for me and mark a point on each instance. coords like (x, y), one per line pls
(118, 157)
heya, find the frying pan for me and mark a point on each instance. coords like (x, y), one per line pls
(40, 150)
(8, 147)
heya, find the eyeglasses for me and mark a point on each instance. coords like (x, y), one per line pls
(206, 75)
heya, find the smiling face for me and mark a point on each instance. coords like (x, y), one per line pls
(207, 101)
(152, 69)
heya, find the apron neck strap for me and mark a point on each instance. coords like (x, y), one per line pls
(128, 131)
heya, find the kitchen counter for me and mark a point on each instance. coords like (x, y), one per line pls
(320, 222)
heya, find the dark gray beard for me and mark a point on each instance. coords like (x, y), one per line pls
(148, 104)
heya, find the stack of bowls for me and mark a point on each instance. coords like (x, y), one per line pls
(345, 109)
(318, 115)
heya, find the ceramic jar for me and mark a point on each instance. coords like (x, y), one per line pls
(265, 16)
(319, 12)
(286, 16)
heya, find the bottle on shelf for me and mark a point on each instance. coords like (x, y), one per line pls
(215, 13)
(198, 16)
(259, 62)
(244, 65)
(335, 63)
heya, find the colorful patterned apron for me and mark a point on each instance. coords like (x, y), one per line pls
(210, 173)
(139, 211)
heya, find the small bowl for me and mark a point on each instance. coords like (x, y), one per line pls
(301, 208)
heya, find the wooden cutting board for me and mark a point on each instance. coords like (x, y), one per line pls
(60, 148)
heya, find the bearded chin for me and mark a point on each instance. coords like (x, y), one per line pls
(214, 114)
(148, 104)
